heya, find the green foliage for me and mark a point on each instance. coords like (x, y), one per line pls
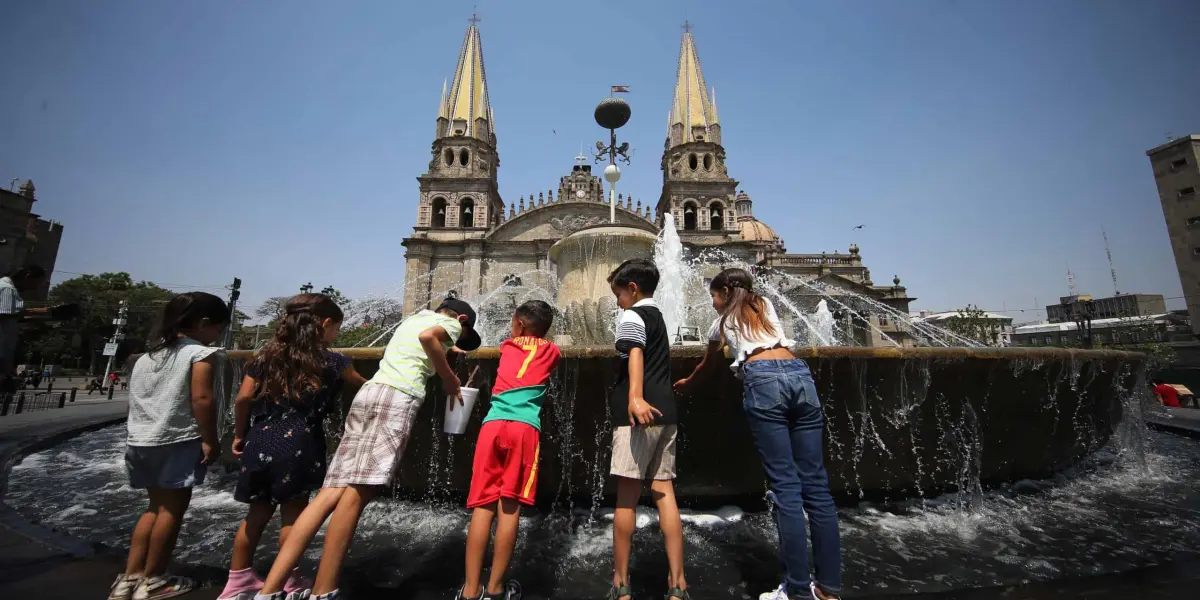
(99, 297)
(972, 323)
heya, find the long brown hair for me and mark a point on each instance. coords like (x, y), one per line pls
(291, 363)
(742, 303)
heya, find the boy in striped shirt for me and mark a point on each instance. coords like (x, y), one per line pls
(506, 454)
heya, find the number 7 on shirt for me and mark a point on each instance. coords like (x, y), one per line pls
(532, 349)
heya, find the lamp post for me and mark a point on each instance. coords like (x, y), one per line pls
(612, 113)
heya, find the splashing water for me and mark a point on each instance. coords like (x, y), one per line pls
(672, 274)
(822, 321)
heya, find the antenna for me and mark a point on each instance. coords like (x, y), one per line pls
(1112, 269)
(1071, 281)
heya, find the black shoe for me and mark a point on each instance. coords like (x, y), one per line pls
(512, 591)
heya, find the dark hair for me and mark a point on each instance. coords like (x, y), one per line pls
(185, 312)
(27, 272)
(742, 302)
(536, 315)
(291, 363)
(639, 271)
(1156, 381)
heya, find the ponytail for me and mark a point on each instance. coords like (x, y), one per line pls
(742, 303)
(184, 313)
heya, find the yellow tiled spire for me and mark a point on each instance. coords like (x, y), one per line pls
(468, 99)
(691, 106)
(444, 104)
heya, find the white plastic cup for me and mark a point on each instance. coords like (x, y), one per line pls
(456, 420)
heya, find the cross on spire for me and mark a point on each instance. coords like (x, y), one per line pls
(474, 17)
(686, 27)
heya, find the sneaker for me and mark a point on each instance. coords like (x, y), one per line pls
(512, 591)
(122, 588)
(461, 596)
(163, 586)
(330, 596)
(241, 585)
(780, 593)
(296, 584)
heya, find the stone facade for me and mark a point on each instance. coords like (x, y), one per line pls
(25, 238)
(466, 242)
(1176, 167)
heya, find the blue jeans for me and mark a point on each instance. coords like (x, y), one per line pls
(785, 418)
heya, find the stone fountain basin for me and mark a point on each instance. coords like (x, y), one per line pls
(900, 421)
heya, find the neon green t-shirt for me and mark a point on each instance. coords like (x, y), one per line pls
(405, 366)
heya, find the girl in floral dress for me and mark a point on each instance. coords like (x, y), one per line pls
(279, 431)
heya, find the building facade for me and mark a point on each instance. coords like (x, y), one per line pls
(1122, 305)
(467, 240)
(25, 237)
(1176, 166)
(993, 329)
(1168, 327)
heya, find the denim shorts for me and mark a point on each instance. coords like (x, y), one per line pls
(172, 466)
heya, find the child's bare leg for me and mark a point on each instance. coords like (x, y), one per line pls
(506, 540)
(303, 531)
(669, 522)
(339, 535)
(139, 542)
(478, 535)
(288, 514)
(248, 535)
(172, 504)
(624, 519)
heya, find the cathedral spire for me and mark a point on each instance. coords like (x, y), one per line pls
(467, 106)
(692, 111)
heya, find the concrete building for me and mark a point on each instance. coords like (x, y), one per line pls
(1122, 305)
(1176, 166)
(25, 238)
(468, 240)
(995, 329)
(1168, 327)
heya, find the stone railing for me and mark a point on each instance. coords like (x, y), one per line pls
(831, 260)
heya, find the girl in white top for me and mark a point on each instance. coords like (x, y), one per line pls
(172, 438)
(784, 413)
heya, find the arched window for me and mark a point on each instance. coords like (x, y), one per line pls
(689, 216)
(716, 218)
(692, 161)
(708, 160)
(464, 158)
(448, 157)
(466, 213)
(439, 212)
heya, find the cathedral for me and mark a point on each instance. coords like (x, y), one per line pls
(467, 240)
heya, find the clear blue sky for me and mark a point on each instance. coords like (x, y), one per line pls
(983, 144)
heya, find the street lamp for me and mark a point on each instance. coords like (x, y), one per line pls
(612, 113)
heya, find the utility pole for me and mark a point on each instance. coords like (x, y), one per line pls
(118, 335)
(1111, 268)
(235, 292)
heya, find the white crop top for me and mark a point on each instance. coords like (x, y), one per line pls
(740, 346)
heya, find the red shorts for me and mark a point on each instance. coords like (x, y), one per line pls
(506, 463)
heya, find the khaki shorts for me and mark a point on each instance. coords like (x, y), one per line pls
(644, 452)
(377, 429)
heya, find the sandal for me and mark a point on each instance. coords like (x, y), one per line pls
(616, 592)
(677, 593)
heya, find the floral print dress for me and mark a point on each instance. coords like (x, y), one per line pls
(285, 452)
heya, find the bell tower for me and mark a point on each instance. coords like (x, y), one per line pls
(697, 188)
(459, 193)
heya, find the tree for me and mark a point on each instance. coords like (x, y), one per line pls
(272, 308)
(973, 323)
(99, 297)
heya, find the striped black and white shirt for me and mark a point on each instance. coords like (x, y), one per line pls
(642, 326)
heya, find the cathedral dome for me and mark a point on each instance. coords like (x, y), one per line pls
(753, 230)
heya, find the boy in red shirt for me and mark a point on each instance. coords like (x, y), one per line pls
(1166, 394)
(506, 454)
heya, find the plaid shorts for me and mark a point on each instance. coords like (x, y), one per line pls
(377, 430)
(644, 452)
